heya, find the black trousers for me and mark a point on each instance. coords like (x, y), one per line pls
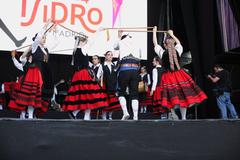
(130, 79)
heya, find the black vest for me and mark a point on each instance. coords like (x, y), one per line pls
(80, 60)
(165, 60)
(95, 70)
(144, 78)
(39, 55)
(110, 78)
(160, 71)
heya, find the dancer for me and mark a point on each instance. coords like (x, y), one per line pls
(85, 93)
(155, 89)
(97, 68)
(110, 84)
(128, 73)
(36, 87)
(143, 89)
(177, 89)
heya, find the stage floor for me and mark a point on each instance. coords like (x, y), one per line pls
(66, 139)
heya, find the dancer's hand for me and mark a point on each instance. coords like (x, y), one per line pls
(155, 29)
(170, 32)
(151, 93)
(120, 32)
(13, 53)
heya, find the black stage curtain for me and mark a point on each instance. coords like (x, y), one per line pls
(235, 5)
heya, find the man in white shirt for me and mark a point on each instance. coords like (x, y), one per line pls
(128, 73)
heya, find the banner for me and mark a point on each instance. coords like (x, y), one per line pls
(20, 20)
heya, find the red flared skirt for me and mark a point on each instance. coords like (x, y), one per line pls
(177, 88)
(29, 92)
(84, 93)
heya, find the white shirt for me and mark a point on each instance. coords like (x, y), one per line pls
(155, 77)
(159, 50)
(100, 70)
(126, 47)
(109, 65)
(17, 64)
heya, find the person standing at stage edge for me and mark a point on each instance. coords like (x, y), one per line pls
(178, 90)
(222, 81)
(128, 73)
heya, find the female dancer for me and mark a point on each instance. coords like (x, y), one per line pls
(36, 88)
(177, 89)
(110, 83)
(85, 93)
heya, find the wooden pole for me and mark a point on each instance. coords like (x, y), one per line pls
(126, 30)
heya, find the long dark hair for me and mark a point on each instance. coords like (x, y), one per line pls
(158, 59)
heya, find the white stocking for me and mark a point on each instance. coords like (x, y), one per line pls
(183, 113)
(22, 114)
(123, 104)
(135, 106)
(87, 115)
(104, 116)
(30, 111)
(110, 115)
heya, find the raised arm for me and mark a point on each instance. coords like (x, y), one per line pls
(170, 32)
(23, 57)
(18, 65)
(40, 35)
(155, 42)
(178, 45)
(157, 48)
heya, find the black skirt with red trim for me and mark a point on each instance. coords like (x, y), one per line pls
(147, 100)
(177, 88)
(2, 99)
(84, 93)
(11, 88)
(113, 103)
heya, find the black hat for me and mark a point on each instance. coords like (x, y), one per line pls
(34, 37)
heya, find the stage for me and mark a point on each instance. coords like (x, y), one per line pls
(65, 139)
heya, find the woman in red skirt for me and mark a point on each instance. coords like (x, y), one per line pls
(177, 89)
(85, 93)
(36, 87)
(156, 79)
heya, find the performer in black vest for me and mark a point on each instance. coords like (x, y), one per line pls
(143, 88)
(110, 84)
(85, 92)
(156, 88)
(36, 87)
(128, 73)
(177, 88)
(97, 68)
